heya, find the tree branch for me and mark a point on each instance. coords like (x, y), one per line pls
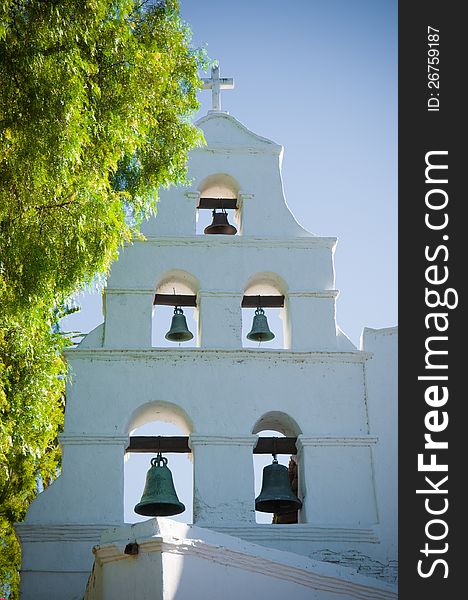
(52, 206)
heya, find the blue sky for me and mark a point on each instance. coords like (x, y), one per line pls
(320, 78)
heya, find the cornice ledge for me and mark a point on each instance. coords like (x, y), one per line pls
(220, 294)
(314, 294)
(241, 241)
(60, 532)
(226, 293)
(216, 440)
(132, 291)
(301, 532)
(348, 440)
(91, 439)
(241, 354)
(214, 148)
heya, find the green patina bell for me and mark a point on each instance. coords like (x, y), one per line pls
(260, 331)
(179, 332)
(159, 496)
(276, 495)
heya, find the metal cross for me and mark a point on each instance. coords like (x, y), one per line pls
(215, 83)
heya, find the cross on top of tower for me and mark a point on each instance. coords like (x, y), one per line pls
(215, 83)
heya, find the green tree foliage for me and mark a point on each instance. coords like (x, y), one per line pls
(31, 408)
(95, 105)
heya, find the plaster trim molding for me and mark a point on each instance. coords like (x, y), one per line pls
(195, 195)
(381, 331)
(245, 196)
(62, 532)
(226, 294)
(90, 440)
(192, 195)
(217, 440)
(359, 590)
(241, 241)
(242, 150)
(69, 532)
(314, 294)
(360, 441)
(131, 291)
(220, 294)
(301, 532)
(238, 354)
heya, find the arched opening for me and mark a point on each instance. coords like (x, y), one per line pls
(183, 287)
(278, 425)
(158, 419)
(219, 191)
(278, 421)
(267, 290)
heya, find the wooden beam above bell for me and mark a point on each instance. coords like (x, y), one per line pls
(175, 300)
(247, 301)
(158, 443)
(212, 203)
(262, 302)
(180, 444)
(276, 445)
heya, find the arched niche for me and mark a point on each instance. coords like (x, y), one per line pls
(267, 284)
(279, 424)
(179, 282)
(279, 421)
(166, 412)
(219, 185)
(183, 281)
(224, 187)
(158, 418)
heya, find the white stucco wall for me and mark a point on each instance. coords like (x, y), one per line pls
(180, 562)
(382, 400)
(341, 399)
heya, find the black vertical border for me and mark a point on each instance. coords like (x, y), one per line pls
(421, 131)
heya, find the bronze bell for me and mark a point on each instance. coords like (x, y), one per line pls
(179, 332)
(159, 497)
(260, 331)
(220, 224)
(276, 495)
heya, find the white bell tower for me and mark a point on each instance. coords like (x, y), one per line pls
(338, 402)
